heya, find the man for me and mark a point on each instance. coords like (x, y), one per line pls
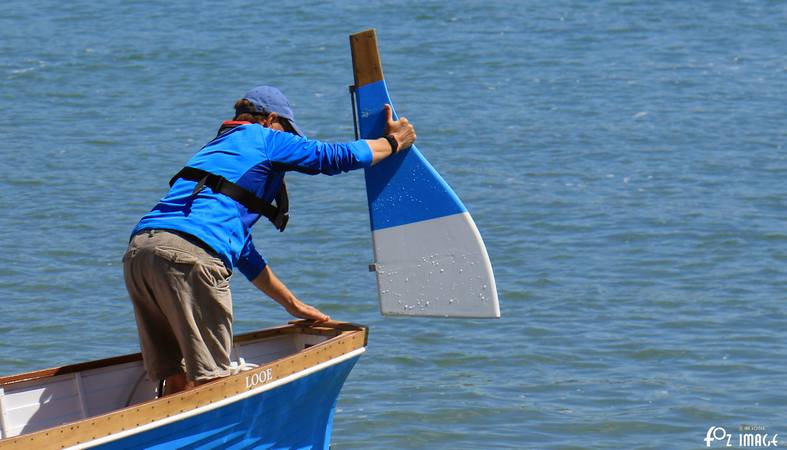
(182, 253)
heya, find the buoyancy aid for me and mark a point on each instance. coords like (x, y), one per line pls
(278, 214)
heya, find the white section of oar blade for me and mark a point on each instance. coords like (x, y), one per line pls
(435, 268)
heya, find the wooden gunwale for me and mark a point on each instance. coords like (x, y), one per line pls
(292, 328)
(345, 338)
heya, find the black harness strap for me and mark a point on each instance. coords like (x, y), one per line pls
(218, 183)
(279, 215)
(282, 208)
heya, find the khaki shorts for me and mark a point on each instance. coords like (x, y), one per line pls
(182, 304)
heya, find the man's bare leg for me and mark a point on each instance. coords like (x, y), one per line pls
(176, 383)
(179, 383)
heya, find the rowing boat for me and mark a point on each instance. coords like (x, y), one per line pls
(283, 396)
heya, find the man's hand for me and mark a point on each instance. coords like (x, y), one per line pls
(303, 311)
(401, 129)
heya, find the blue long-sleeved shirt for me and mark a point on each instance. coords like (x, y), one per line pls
(255, 158)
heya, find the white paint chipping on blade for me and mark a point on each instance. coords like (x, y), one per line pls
(436, 268)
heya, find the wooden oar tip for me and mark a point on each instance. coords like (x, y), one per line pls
(366, 57)
(364, 34)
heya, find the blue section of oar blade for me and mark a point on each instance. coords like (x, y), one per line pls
(403, 188)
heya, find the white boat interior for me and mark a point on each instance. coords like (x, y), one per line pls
(43, 399)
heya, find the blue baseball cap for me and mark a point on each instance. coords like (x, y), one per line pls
(268, 99)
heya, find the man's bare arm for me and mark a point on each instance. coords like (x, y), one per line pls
(270, 284)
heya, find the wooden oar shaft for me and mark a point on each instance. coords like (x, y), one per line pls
(367, 67)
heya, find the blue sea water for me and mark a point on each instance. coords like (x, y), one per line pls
(624, 162)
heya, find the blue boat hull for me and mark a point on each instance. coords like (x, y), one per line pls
(296, 415)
